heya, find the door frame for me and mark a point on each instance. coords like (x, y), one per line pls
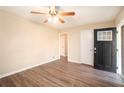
(67, 43)
(122, 49)
(119, 57)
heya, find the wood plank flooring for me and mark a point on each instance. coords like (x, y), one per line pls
(62, 74)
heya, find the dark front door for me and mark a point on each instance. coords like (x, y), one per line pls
(105, 49)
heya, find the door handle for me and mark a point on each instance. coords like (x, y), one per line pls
(94, 48)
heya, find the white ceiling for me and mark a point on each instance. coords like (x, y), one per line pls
(84, 14)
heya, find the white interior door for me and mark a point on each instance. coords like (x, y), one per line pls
(87, 47)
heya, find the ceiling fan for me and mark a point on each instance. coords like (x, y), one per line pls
(54, 14)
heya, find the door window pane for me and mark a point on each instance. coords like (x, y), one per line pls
(104, 35)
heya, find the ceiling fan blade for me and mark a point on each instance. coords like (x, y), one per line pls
(33, 12)
(45, 21)
(67, 13)
(61, 20)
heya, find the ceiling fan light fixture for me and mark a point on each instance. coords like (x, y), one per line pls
(53, 19)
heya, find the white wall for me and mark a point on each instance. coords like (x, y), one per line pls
(24, 43)
(74, 46)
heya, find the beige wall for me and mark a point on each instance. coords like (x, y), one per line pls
(24, 43)
(73, 46)
(74, 38)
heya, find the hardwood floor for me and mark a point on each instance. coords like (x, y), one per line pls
(63, 74)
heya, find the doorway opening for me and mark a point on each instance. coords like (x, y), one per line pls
(63, 46)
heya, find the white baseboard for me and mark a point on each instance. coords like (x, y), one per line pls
(73, 61)
(23, 69)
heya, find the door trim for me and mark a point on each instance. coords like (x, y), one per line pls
(122, 49)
